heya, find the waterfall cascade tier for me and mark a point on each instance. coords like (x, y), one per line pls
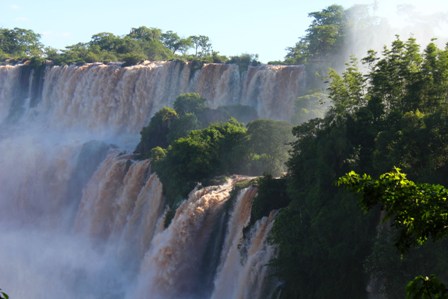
(81, 218)
(122, 99)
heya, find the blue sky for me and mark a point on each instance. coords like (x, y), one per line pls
(264, 27)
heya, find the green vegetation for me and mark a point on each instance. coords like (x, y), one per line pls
(156, 133)
(268, 145)
(417, 212)
(393, 115)
(244, 61)
(175, 43)
(139, 44)
(193, 143)
(198, 157)
(17, 43)
(189, 103)
(426, 287)
(3, 295)
(328, 43)
(324, 38)
(271, 195)
(330, 40)
(320, 49)
(308, 107)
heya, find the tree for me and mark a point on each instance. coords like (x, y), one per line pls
(198, 157)
(326, 33)
(271, 195)
(127, 45)
(324, 38)
(182, 126)
(156, 132)
(426, 287)
(132, 59)
(149, 43)
(417, 211)
(173, 42)
(20, 42)
(378, 119)
(189, 103)
(309, 106)
(268, 143)
(347, 92)
(144, 33)
(106, 41)
(76, 53)
(244, 61)
(298, 54)
(201, 45)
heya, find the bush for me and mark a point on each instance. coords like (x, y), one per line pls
(201, 155)
(268, 144)
(271, 196)
(244, 61)
(133, 59)
(156, 133)
(189, 103)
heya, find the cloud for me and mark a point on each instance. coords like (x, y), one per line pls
(14, 7)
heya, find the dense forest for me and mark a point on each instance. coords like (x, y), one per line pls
(394, 115)
(388, 121)
(140, 44)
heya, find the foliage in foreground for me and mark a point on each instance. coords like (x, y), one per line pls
(395, 114)
(418, 213)
(426, 287)
(3, 295)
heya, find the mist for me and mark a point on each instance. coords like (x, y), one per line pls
(373, 26)
(81, 216)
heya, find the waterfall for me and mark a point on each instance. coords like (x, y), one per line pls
(174, 267)
(82, 218)
(243, 271)
(114, 99)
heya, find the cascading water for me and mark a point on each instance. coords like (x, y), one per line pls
(80, 218)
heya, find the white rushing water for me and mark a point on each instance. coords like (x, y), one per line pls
(81, 218)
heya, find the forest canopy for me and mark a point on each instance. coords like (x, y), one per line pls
(392, 115)
(142, 43)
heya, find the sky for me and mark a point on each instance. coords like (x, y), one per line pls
(263, 27)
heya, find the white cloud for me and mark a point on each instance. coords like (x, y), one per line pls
(14, 7)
